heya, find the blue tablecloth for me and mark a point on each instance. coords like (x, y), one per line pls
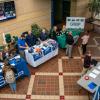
(21, 67)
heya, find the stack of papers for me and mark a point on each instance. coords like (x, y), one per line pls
(98, 67)
(95, 71)
(92, 75)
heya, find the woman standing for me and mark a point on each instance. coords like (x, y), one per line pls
(9, 76)
(85, 39)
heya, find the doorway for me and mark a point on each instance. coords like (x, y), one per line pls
(60, 9)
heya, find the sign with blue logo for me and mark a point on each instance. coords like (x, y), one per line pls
(75, 22)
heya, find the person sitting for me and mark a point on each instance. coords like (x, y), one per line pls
(43, 35)
(87, 63)
(70, 42)
(53, 33)
(31, 39)
(22, 45)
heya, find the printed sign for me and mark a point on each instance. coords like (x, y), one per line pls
(75, 22)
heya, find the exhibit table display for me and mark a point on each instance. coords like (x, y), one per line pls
(91, 80)
(61, 39)
(39, 54)
(19, 64)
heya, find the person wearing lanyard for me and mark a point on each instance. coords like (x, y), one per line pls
(22, 45)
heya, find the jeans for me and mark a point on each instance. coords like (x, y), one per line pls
(69, 50)
(84, 48)
(22, 53)
(13, 86)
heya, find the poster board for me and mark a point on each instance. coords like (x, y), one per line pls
(75, 23)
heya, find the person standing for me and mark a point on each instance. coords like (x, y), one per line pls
(70, 42)
(86, 63)
(85, 39)
(31, 39)
(9, 76)
(22, 45)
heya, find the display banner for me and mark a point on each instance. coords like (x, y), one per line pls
(75, 22)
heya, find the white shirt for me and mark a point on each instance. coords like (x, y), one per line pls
(85, 39)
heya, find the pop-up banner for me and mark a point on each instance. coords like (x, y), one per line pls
(75, 22)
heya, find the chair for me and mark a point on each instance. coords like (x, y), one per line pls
(8, 38)
(1, 48)
(15, 38)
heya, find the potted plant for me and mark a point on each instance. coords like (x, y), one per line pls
(36, 30)
(94, 8)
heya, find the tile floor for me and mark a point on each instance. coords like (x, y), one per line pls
(56, 79)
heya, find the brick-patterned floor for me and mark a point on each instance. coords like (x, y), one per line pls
(71, 87)
(56, 79)
(72, 65)
(46, 85)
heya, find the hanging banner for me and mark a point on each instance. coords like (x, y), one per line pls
(75, 22)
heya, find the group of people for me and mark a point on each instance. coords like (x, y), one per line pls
(27, 40)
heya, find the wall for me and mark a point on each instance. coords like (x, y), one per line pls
(80, 8)
(28, 12)
(58, 9)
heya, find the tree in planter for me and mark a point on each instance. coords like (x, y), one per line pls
(94, 8)
(36, 30)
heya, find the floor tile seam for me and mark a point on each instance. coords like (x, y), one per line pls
(13, 96)
(30, 86)
(42, 97)
(96, 43)
(60, 68)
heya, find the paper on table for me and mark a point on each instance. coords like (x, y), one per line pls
(95, 71)
(98, 67)
(13, 64)
(92, 75)
(0, 70)
(2, 66)
(16, 57)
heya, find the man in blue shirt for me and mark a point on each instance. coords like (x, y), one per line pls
(22, 45)
(31, 39)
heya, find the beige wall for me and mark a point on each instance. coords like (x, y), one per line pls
(80, 8)
(28, 12)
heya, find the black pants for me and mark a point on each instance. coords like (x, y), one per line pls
(84, 48)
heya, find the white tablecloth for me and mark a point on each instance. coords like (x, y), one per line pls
(44, 58)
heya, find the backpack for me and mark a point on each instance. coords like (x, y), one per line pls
(94, 62)
(9, 76)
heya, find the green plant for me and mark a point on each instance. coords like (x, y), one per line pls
(36, 30)
(94, 7)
